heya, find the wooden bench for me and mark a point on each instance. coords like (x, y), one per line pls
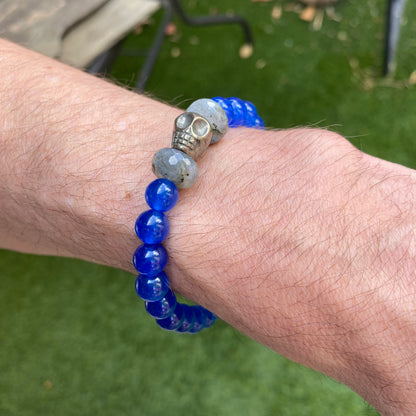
(73, 31)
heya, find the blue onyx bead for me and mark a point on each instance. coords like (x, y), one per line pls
(211, 318)
(152, 226)
(258, 123)
(189, 319)
(174, 321)
(199, 322)
(250, 109)
(227, 107)
(251, 114)
(152, 288)
(162, 308)
(162, 195)
(239, 111)
(150, 259)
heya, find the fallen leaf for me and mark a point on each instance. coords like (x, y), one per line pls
(194, 40)
(412, 78)
(308, 13)
(171, 29)
(47, 384)
(342, 36)
(246, 51)
(175, 52)
(318, 20)
(260, 63)
(276, 12)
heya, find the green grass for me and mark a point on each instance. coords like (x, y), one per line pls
(74, 338)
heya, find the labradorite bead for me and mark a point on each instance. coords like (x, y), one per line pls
(176, 166)
(214, 114)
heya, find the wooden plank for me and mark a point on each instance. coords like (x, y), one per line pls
(103, 29)
(74, 31)
(40, 24)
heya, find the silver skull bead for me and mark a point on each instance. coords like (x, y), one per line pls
(192, 134)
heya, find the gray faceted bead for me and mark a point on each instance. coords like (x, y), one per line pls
(214, 113)
(176, 166)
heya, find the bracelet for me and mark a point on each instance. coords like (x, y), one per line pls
(205, 122)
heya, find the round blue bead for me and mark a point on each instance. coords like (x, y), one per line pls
(239, 111)
(211, 318)
(162, 195)
(174, 321)
(189, 319)
(259, 123)
(150, 259)
(152, 227)
(251, 114)
(162, 308)
(250, 109)
(199, 322)
(152, 288)
(227, 107)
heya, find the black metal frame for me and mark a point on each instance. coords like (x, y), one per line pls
(104, 62)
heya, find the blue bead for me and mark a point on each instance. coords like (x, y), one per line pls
(150, 259)
(259, 123)
(251, 114)
(152, 288)
(200, 320)
(162, 195)
(189, 319)
(211, 318)
(239, 111)
(250, 109)
(162, 308)
(152, 227)
(174, 321)
(227, 107)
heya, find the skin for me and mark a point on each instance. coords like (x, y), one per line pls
(294, 237)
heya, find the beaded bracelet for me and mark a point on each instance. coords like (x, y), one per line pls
(205, 122)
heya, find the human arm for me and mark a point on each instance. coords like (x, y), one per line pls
(294, 237)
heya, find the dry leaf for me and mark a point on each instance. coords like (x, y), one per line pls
(175, 52)
(412, 78)
(171, 29)
(308, 13)
(276, 12)
(194, 40)
(332, 14)
(47, 384)
(246, 51)
(318, 20)
(342, 36)
(260, 63)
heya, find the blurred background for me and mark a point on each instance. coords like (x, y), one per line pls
(74, 337)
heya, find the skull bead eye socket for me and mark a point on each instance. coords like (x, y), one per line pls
(200, 127)
(184, 121)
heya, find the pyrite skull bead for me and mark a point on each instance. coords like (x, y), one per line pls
(192, 134)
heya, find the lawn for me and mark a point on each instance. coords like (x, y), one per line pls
(74, 338)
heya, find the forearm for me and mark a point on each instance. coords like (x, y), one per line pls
(75, 155)
(294, 237)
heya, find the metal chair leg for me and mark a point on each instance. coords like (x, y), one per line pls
(155, 48)
(395, 10)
